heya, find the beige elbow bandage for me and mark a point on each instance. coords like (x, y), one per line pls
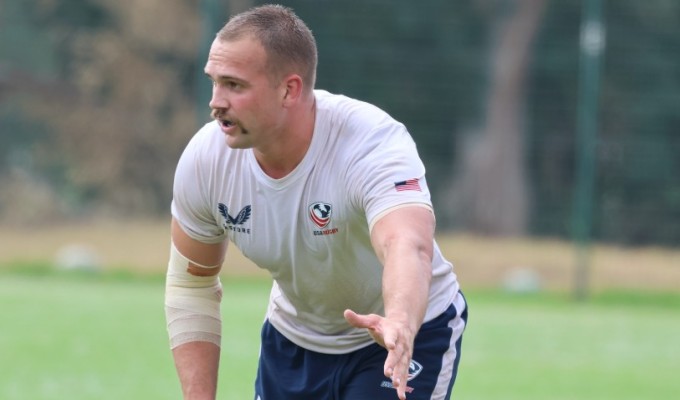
(192, 303)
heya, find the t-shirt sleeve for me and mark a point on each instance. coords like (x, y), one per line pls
(191, 200)
(388, 172)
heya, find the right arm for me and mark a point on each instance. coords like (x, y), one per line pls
(193, 294)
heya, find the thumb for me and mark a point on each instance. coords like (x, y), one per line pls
(361, 321)
(371, 322)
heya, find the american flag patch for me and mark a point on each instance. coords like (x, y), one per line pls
(409, 184)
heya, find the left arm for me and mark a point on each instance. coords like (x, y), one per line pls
(403, 241)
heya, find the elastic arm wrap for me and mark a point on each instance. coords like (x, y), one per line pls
(192, 303)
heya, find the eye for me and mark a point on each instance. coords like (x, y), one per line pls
(226, 83)
(233, 85)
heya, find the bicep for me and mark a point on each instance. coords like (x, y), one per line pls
(204, 258)
(409, 227)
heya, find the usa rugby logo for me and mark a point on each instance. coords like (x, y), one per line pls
(414, 369)
(320, 213)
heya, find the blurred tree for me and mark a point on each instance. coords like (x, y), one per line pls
(237, 6)
(423, 62)
(29, 69)
(491, 191)
(637, 186)
(639, 193)
(99, 97)
(131, 66)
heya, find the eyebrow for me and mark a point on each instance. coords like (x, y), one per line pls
(224, 78)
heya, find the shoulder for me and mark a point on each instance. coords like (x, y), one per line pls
(356, 113)
(208, 140)
(205, 150)
(359, 124)
(205, 153)
(195, 184)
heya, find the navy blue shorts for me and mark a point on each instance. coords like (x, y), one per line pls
(287, 371)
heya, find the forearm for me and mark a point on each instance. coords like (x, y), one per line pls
(192, 307)
(195, 332)
(197, 364)
(406, 285)
(406, 255)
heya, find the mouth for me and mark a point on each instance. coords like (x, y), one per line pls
(229, 126)
(226, 123)
(223, 120)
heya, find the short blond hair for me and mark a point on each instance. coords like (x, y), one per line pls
(286, 39)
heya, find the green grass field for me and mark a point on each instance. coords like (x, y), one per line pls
(79, 336)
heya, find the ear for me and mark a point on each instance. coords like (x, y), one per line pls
(292, 89)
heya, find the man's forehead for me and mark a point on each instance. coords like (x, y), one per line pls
(246, 42)
(239, 53)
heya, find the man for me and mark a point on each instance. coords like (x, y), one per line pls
(329, 195)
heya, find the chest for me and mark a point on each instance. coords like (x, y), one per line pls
(304, 221)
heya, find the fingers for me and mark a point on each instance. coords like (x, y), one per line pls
(399, 379)
(392, 337)
(397, 366)
(400, 384)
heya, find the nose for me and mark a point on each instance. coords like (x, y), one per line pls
(218, 99)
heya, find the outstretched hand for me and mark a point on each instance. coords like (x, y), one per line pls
(396, 337)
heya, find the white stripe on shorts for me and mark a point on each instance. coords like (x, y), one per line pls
(458, 326)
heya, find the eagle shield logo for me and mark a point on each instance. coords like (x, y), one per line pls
(320, 213)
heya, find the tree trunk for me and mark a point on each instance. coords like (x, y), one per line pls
(491, 190)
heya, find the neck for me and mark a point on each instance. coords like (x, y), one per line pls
(286, 151)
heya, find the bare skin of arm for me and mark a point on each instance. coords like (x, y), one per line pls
(406, 255)
(197, 363)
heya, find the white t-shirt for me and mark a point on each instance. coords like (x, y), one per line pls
(310, 229)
